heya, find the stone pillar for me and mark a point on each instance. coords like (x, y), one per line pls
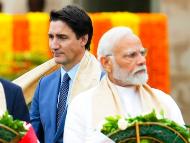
(56, 4)
(14, 6)
(115, 5)
(21, 6)
(178, 23)
(155, 6)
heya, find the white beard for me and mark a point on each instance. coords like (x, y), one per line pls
(133, 78)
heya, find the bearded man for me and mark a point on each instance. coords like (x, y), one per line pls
(123, 89)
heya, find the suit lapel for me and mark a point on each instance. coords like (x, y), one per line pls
(58, 132)
(52, 105)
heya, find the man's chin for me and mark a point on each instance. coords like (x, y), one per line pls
(58, 60)
(143, 79)
(140, 78)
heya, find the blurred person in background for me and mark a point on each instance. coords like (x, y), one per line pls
(12, 100)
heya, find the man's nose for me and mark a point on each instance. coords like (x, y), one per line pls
(141, 60)
(54, 44)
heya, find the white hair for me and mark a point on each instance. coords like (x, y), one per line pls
(110, 38)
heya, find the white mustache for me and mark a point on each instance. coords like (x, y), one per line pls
(140, 69)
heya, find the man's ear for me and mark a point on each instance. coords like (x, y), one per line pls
(84, 40)
(106, 63)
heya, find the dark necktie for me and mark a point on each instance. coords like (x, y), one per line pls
(63, 93)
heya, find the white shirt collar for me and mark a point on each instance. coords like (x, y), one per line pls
(72, 72)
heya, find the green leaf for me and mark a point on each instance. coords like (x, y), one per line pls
(111, 125)
(16, 125)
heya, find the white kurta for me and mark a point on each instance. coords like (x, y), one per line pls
(79, 122)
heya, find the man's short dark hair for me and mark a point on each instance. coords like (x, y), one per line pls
(77, 19)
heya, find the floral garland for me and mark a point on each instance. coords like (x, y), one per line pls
(10, 129)
(115, 124)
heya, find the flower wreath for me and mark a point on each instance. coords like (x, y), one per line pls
(15, 131)
(149, 128)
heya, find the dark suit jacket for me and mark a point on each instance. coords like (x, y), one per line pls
(15, 101)
(43, 109)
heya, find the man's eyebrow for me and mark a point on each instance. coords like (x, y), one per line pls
(50, 34)
(129, 51)
(60, 34)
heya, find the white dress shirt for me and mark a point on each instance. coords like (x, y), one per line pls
(72, 72)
